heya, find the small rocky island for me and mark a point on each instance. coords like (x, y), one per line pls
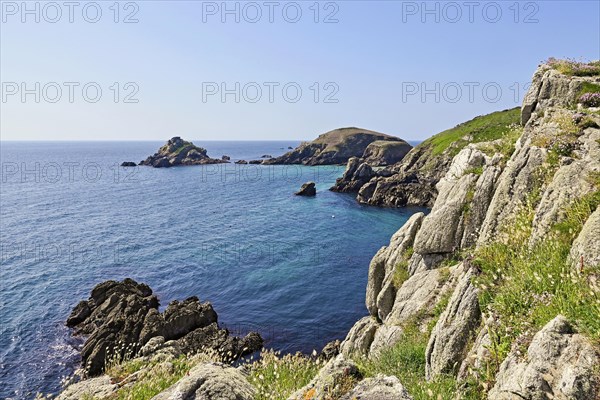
(339, 145)
(180, 152)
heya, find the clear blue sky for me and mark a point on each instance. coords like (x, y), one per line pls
(373, 55)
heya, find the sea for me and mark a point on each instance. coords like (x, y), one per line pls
(292, 268)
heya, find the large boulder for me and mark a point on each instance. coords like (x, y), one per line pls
(381, 289)
(585, 251)
(120, 319)
(96, 388)
(380, 387)
(212, 381)
(334, 147)
(307, 189)
(180, 152)
(559, 364)
(337, 374)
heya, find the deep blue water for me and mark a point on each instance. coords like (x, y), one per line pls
(293, 268)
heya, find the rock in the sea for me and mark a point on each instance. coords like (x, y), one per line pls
(357, 174)
(266, 156)
(210, 381)
(128, 164)
(179, 152)
(307, 189)
(380, 387)
(331, 379)
(330, 350)
(559, 364)
(334, 147)
(225, 158)
(241, 162)
(255, 162)
(121, 318)
(385, 152)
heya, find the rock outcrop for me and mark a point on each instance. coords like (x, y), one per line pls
(559, 364)
(307, 189)
(357, 174)
(334, 147)
(180, 152)
(385, 152)
(121, 318)
(454, 330)
(380, 387)
(210, 381)
(331, 379)
(585, 252)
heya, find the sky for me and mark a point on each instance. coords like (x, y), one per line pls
(270, 70)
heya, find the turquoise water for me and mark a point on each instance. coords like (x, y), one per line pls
(292, 268)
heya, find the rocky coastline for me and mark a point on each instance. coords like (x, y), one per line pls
(492, 295)
(338, 146)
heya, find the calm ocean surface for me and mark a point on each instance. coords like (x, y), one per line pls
(292, 268)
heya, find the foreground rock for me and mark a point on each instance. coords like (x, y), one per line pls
(357, 174)
(338, 374)
(121, 320)
(380, 387)
(179, 152)
(307, 189)
(559, 364)
(95, 388)
(334, 147)
(210, 381)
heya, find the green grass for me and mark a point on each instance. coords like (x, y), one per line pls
(406, 360)
(527, 286)
(401, 270)
(588, 87)
(277, 377)
(575, 68)
(480, 129)
(154, 379)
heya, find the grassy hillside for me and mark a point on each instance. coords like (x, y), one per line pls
(480, 129)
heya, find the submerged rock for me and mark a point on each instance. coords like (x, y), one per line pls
(307, 189)
(179, 152)
(121, 320)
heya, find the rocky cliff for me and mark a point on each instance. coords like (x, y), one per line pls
(500, 279)
(492, 295)
(339, 145)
